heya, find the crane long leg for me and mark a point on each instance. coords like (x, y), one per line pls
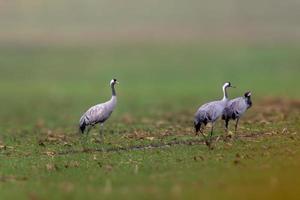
(226, 125)
(211, 134)
(236, 124)
(211, 131)
(205, 138)
(85, 136)
(101, 133)
(88, 130)
(228, 135)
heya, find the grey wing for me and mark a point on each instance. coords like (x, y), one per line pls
(209, 112)
(235, 108)
(216, 111)
(95, 114)
(201, 113)
(241, 106)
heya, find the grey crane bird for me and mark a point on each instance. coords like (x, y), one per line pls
(210, 112)
(99, 113)
(235, 108)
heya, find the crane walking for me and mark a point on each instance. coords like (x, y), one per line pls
(99, 113)
(236, 108)
(210, 112)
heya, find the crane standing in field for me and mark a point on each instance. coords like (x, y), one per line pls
(210, 112)
(98, 114)
(236, 108)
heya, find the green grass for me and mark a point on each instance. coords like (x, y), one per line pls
(44, 90)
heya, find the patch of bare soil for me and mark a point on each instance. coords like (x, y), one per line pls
(12, 178)
(49, 137)
(272, 110)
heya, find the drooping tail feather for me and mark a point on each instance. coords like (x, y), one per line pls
(82, 124)
(197, 126)
(82, 128)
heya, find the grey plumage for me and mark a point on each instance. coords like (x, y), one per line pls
(235, 108)
(99, 113)
(210, 112)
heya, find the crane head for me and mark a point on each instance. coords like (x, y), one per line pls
(228, 84)
(247, 94)
(114, 81)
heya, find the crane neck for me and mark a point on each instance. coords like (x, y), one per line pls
(248, 101)
(113, 91)
(225, 95)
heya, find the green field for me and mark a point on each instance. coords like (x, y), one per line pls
(150, 150)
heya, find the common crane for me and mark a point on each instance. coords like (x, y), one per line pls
(99, 113)
(210, 112)
(235, 108)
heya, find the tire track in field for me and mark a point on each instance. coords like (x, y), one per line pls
(189, 142)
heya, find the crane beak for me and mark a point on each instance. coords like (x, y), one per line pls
(117, 82)
(233, 86)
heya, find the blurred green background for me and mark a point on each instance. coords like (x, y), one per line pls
(85, 22)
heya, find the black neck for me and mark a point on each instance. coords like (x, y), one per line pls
(248, 101)
(113, 90)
